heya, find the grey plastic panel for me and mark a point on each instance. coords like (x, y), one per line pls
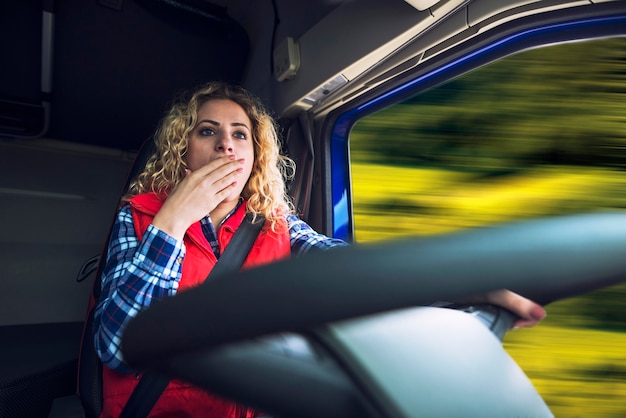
(483, 10)
(435, 362)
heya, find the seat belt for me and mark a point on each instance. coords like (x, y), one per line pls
(152, 384)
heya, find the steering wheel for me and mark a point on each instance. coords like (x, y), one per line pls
(342, 302)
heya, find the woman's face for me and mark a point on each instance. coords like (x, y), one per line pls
(223, 128)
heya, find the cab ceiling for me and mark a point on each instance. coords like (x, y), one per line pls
(115, 66)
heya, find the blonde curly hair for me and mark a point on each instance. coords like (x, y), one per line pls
(265, 190)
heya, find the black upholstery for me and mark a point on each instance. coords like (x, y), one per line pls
(90, 371)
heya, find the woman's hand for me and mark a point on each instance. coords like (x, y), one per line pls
(197, 195)
(529, 312)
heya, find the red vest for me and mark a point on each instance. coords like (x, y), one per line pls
(181, 399)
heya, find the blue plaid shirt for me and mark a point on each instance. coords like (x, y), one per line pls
(138, 272)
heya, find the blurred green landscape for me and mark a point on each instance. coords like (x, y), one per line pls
(540, 133)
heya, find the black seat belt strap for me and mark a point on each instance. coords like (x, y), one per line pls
(152, 384)
(237, 250)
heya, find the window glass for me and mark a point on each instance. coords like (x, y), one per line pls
(539, 133)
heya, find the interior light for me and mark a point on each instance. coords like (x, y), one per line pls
(327, 88)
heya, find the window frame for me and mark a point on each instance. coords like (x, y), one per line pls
(484, 49)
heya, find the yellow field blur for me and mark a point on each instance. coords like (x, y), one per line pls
(580, 372)
(439, 201)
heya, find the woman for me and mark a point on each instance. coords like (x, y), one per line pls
(217, 159)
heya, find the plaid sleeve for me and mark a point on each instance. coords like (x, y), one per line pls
(136, 273)
(303, 238)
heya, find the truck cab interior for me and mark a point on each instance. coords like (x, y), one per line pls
(83, 85)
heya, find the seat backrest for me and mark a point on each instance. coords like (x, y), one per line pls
(89, 365)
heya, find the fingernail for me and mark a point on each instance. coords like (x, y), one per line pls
(538, 313)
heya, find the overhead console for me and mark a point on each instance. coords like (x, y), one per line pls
(387, 39)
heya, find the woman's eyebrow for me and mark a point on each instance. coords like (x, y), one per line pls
(240, 124)
(212, 122)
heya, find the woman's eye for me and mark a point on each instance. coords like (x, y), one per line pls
(240, 135)
(206, 131)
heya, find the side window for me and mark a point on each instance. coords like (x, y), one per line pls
(539, 133)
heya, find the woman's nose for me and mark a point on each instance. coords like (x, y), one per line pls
(225, 143)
